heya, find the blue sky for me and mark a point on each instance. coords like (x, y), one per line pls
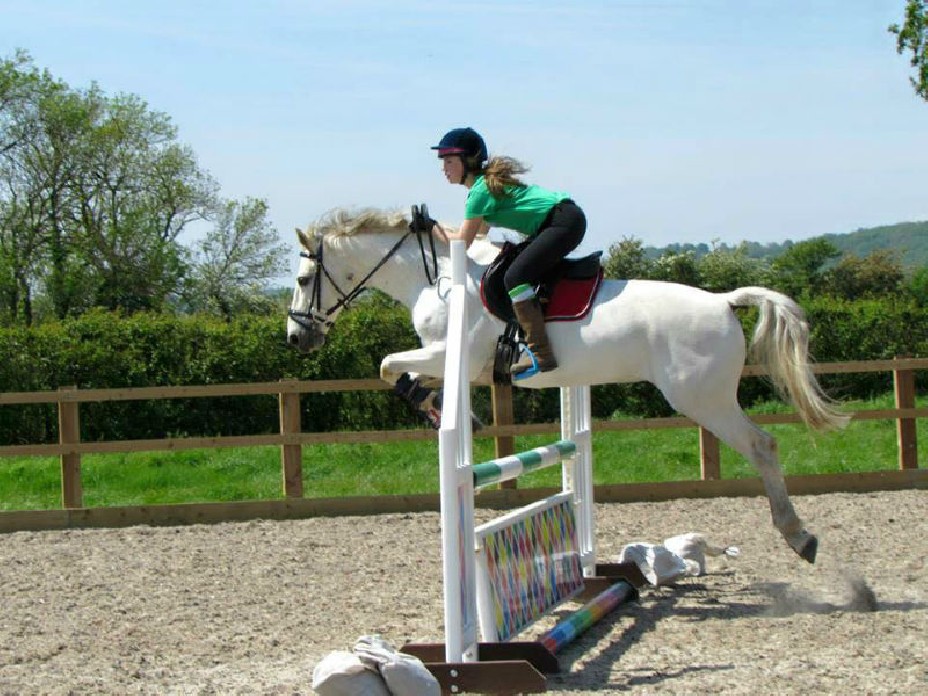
(667, 120)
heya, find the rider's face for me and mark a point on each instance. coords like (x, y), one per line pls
(453, 167)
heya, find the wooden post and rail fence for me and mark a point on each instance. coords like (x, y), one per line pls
(291, 440)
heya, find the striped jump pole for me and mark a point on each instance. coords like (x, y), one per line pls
(514, 465)
(568, 630)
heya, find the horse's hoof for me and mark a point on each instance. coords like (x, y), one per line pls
(809, 549)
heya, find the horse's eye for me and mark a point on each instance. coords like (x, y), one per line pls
(303, 281)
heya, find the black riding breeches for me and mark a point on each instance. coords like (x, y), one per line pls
(558, 235)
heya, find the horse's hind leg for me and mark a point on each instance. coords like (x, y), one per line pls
(731, 425)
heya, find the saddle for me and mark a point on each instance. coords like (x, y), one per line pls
(565, 294)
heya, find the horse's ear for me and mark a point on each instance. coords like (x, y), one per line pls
(304, 240)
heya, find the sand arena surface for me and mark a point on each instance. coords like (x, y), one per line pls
(250, 608)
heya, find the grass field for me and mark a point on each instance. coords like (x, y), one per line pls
(146, 478)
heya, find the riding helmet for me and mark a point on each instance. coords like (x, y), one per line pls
(465, 142)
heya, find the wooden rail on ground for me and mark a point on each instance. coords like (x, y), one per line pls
(291, 438)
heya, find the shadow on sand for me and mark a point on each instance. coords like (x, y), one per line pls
(773, 600)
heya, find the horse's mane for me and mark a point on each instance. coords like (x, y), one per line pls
(344, 222)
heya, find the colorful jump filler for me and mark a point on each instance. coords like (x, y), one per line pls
(505, 575)
(529, 565)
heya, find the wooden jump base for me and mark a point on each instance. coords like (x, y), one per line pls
(516, 667)
(511, 571)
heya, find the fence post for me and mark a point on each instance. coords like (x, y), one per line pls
(69, 433)
(709, 456)
(501, 396)
(291, 456)
(906, 438)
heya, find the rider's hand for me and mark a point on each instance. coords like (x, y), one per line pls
(440, 232)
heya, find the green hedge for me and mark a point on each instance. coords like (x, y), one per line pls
(103, 350)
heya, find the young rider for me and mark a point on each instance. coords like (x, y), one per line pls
(551, 222)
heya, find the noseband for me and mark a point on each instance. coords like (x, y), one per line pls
(315, 315)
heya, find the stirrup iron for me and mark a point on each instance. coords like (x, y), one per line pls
(531, 371)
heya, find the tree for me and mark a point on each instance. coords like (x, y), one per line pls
(94, 193)
(34, 111)
(912, 36)
(799, 270)
(677, 267)
(136, 192)
(235, 260)
(49, 161)
(722, 270)
(626, 260)
(18, 79)
(917, 287)
(877, 275)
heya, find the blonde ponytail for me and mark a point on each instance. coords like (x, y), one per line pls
(502, 173)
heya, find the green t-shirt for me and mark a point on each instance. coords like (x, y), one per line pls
(522, 209)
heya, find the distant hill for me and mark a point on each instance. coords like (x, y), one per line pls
(909, 239)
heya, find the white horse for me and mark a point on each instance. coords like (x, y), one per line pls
(685, 341)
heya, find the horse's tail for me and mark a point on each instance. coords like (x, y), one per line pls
(781, 343)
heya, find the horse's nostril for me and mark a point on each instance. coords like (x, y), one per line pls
(294, 339)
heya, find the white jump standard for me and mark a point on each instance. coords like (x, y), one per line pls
(506, 574)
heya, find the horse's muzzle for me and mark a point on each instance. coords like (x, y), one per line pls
(303, 339)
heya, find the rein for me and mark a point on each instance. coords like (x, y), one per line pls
(422, 223)
(418, 226)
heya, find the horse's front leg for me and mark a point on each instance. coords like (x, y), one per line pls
(427, 362)
(413, 374)
(426, 401)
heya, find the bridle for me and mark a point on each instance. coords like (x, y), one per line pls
(420, 225)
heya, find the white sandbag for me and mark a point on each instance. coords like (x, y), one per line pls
(658, 565)
(373, 651)
(404, 675)
(694, 546)
(341, 673)
(407, 676)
